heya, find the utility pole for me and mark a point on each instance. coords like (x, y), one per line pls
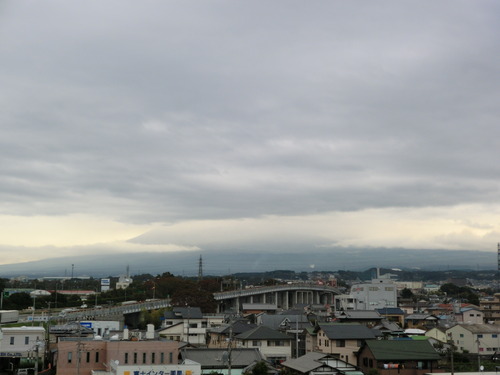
(229, 348)
(452, 349)
(188, 313)
(478, 356)
(297, 336)
(78, 348)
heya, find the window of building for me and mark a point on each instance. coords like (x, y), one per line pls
(162, 357)
(88, 357)
(340, 343)
(170, 357)
(126, 358)
(494, 335)
(479, 336)
(153, 358)
(193, 325)
(26, 340)
(70, 357)
(135, 358)
(373, 288)
(461, 335)
(389, 288)
(256, 343)
(143, 357)
(96, 357)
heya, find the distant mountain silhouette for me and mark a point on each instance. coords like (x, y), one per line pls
(223, 262)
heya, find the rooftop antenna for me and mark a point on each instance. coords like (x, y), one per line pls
(200, 269)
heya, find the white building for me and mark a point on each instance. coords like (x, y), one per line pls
(275, 346)
(378, 294)
(188, 324)
(469, 315)
(23, 344)
(482, 339)
(345, 302)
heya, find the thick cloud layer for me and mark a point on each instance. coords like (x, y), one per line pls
(165, 112)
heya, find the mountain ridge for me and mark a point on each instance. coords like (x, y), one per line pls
(223, 262)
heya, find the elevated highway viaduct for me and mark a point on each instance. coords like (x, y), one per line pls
(283, 296)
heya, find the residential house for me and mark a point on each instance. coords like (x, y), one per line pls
(369, 318)
(275, 346)
(188, 324)
(482, 339)
(257, 308)
(470, 315)
(220, 337)
(406, 357)
(389, 329)
(421, 321)
(314, 363)
(343, 339)
(393, 314)
(217, 360)
(437, 334)
(294, 325)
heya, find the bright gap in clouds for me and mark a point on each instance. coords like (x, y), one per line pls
(466, 227)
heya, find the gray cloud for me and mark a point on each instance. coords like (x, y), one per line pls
(165, 111)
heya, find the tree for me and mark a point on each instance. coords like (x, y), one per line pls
(260, 368)
(407, 293)
(19, 301)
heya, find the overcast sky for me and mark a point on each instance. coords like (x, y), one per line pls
(164, 125)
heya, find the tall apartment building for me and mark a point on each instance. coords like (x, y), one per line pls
(491, 309)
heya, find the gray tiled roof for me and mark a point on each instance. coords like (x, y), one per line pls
(340, 331)
(358, 314)
(279, 321)
(237, 327)
(402, 350)
(421, 317)
(311, 361)
(390, 311)
(213, 358)
(481, 328)
(184, 313)
(263, 333)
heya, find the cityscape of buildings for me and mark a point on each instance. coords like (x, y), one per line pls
(334, 162)
(317, 324)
